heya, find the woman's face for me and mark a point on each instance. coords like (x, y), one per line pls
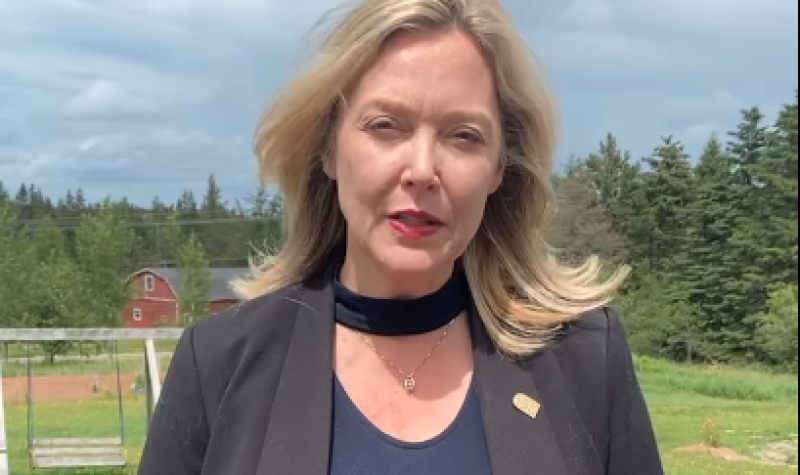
(416, 156)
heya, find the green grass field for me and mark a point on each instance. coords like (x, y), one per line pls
(751, 410)
(20, 350)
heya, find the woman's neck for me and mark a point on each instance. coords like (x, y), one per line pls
(368, 280)
(402, 316)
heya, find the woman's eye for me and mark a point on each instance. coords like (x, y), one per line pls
(470, 137)
(382, 125)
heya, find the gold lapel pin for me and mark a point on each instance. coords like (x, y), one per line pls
(527, 405)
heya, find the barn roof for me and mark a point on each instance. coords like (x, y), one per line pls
(221, 278)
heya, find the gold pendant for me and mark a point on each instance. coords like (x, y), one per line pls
(409, 384)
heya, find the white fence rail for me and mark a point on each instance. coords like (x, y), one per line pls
(88, 334)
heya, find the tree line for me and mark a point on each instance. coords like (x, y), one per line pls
(712, 241)
(66, 263)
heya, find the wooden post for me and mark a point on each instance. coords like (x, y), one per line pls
(152, 376)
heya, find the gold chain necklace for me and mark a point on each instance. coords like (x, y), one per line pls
(410, 380)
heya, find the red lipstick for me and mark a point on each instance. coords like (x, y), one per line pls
(415, 224)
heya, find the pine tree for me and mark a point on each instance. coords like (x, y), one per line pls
(617, 183)
(195, 280)
(670, 193)
(748, 291)
(711, 266)
(777, 174)
(5, 197)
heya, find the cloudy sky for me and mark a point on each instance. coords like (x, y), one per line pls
(148, 97)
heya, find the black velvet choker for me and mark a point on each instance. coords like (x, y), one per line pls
(396, 316)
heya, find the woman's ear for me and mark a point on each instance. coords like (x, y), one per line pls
(329, 157)
(329, 164)
(497, 179)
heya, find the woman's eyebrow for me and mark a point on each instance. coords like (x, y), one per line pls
(461, 115)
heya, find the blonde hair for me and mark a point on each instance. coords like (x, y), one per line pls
(523, 295)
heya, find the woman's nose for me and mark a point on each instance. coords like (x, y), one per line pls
(421, 166)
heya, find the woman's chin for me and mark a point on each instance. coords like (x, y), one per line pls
(422, 264)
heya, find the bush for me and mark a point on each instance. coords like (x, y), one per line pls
(712, 433)
(659, 323)
(776, 329)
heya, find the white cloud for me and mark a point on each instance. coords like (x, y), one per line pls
(150, 97)
(109, 101)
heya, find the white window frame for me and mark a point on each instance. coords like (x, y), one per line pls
(138, 316)
(149, 283)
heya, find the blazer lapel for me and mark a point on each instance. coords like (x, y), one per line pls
(518, 442)
(298, 435)
(551, 441)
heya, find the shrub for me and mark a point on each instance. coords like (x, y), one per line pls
(776, 329)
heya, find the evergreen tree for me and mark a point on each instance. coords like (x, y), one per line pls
(748, 292)
(5, 197)
(22, 204)
(712, 265)
(265, 231)
(218, 239)
(213, 205)
(670, 194)
(195, 280)
(617, 182)
(777, 174)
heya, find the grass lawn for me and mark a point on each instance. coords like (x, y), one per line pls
(127, 364)
(747, 427)
(745, 411)
(76, 419)
(20, 350)
(751, 410)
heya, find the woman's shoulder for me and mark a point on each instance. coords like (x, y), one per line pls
(593, 348)
(248, 328)
(593, 358)
(596, 329)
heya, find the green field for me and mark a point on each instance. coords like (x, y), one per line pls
(750, 411)
(20, 350)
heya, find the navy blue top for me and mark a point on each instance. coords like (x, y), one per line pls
(360, 448)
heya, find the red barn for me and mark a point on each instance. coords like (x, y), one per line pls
(155, 294)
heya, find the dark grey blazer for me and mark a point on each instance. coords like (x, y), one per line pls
(249, 393)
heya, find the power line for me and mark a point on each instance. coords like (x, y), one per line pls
(62, 214)
(54, 223)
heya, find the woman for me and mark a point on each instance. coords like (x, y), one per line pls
(414, 321)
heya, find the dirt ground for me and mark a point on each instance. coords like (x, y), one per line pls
(779, 453)
(66, 388)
